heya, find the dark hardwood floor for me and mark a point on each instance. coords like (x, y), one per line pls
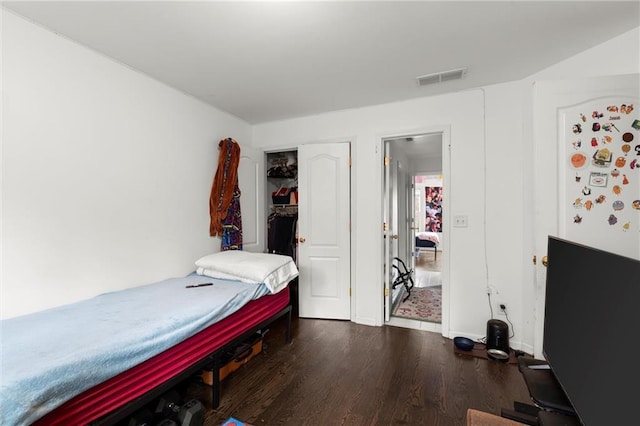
(341, 373)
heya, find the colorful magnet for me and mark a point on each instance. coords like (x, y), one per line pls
(615, 173)
(627, 109)
(626, 148)
(626, 226)
(612, 219)
(635, 204)
(612, 108)
(597, 114)
(601, 199)
(594, 142)
(577, 203)
(578, 177)
(586, 190)
(627, 137)
(583, 117)
(633, 163)
(598, 179)
(618, 205)
(588, 204)
(607, 139)
(625, 180)
(616, 189)
(637, 149)
(577, 128)
(578, 160)
(577, 219)
(602, 157)
(576, 144)
(636, 124)
(620, 162)
(596, 127)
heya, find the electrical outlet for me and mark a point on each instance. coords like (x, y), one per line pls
(499, 309)
(460, 221)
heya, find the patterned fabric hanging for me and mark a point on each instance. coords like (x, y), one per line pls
(224, 202)
(232, 224)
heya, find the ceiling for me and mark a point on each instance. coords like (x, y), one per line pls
(265, 61)
(419, 147)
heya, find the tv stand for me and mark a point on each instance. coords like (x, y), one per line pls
(552, 407)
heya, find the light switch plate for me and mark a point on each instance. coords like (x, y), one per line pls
(460, 221)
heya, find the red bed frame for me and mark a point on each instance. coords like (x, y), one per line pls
(120, 396)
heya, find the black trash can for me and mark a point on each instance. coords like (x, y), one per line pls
(498, 340)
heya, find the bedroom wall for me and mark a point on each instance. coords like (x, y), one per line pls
(462, 114)
(106, 173)
(491, 179)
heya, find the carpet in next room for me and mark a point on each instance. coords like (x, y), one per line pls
(424, 304)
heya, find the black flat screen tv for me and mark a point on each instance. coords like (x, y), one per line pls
(592, 331)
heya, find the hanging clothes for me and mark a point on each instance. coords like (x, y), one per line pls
(281, 234)
(224, 201)
(232, 224)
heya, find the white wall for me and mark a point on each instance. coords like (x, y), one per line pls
(106, 176)
(106, 173)
(463, 114)
(491, 179)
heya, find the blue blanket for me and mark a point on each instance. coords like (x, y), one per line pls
(51, 356)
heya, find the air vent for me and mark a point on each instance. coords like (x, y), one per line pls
(440, 77)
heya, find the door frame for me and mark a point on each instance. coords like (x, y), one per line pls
(445, 131)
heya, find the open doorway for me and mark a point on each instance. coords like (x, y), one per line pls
(414, 198)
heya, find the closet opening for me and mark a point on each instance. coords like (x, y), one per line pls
(282, 215)
(309, 216)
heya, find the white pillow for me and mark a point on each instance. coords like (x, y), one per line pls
(274, 270)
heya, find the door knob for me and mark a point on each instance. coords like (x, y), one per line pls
(394, 236)
(545, 261)
(302, 239)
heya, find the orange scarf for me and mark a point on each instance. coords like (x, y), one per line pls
(224, 183)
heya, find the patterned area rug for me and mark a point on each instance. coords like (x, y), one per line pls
(424, 304)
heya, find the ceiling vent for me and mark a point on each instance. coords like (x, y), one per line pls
(441, 77)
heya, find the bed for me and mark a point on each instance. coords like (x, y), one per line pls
(98, 360)
(427, 240)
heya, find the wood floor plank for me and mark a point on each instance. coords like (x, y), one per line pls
(341, 373)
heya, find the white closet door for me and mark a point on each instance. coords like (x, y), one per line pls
(250, 172)
(323, 231)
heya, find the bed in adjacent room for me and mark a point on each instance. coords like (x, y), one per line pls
(427, 240)
(97, 360)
